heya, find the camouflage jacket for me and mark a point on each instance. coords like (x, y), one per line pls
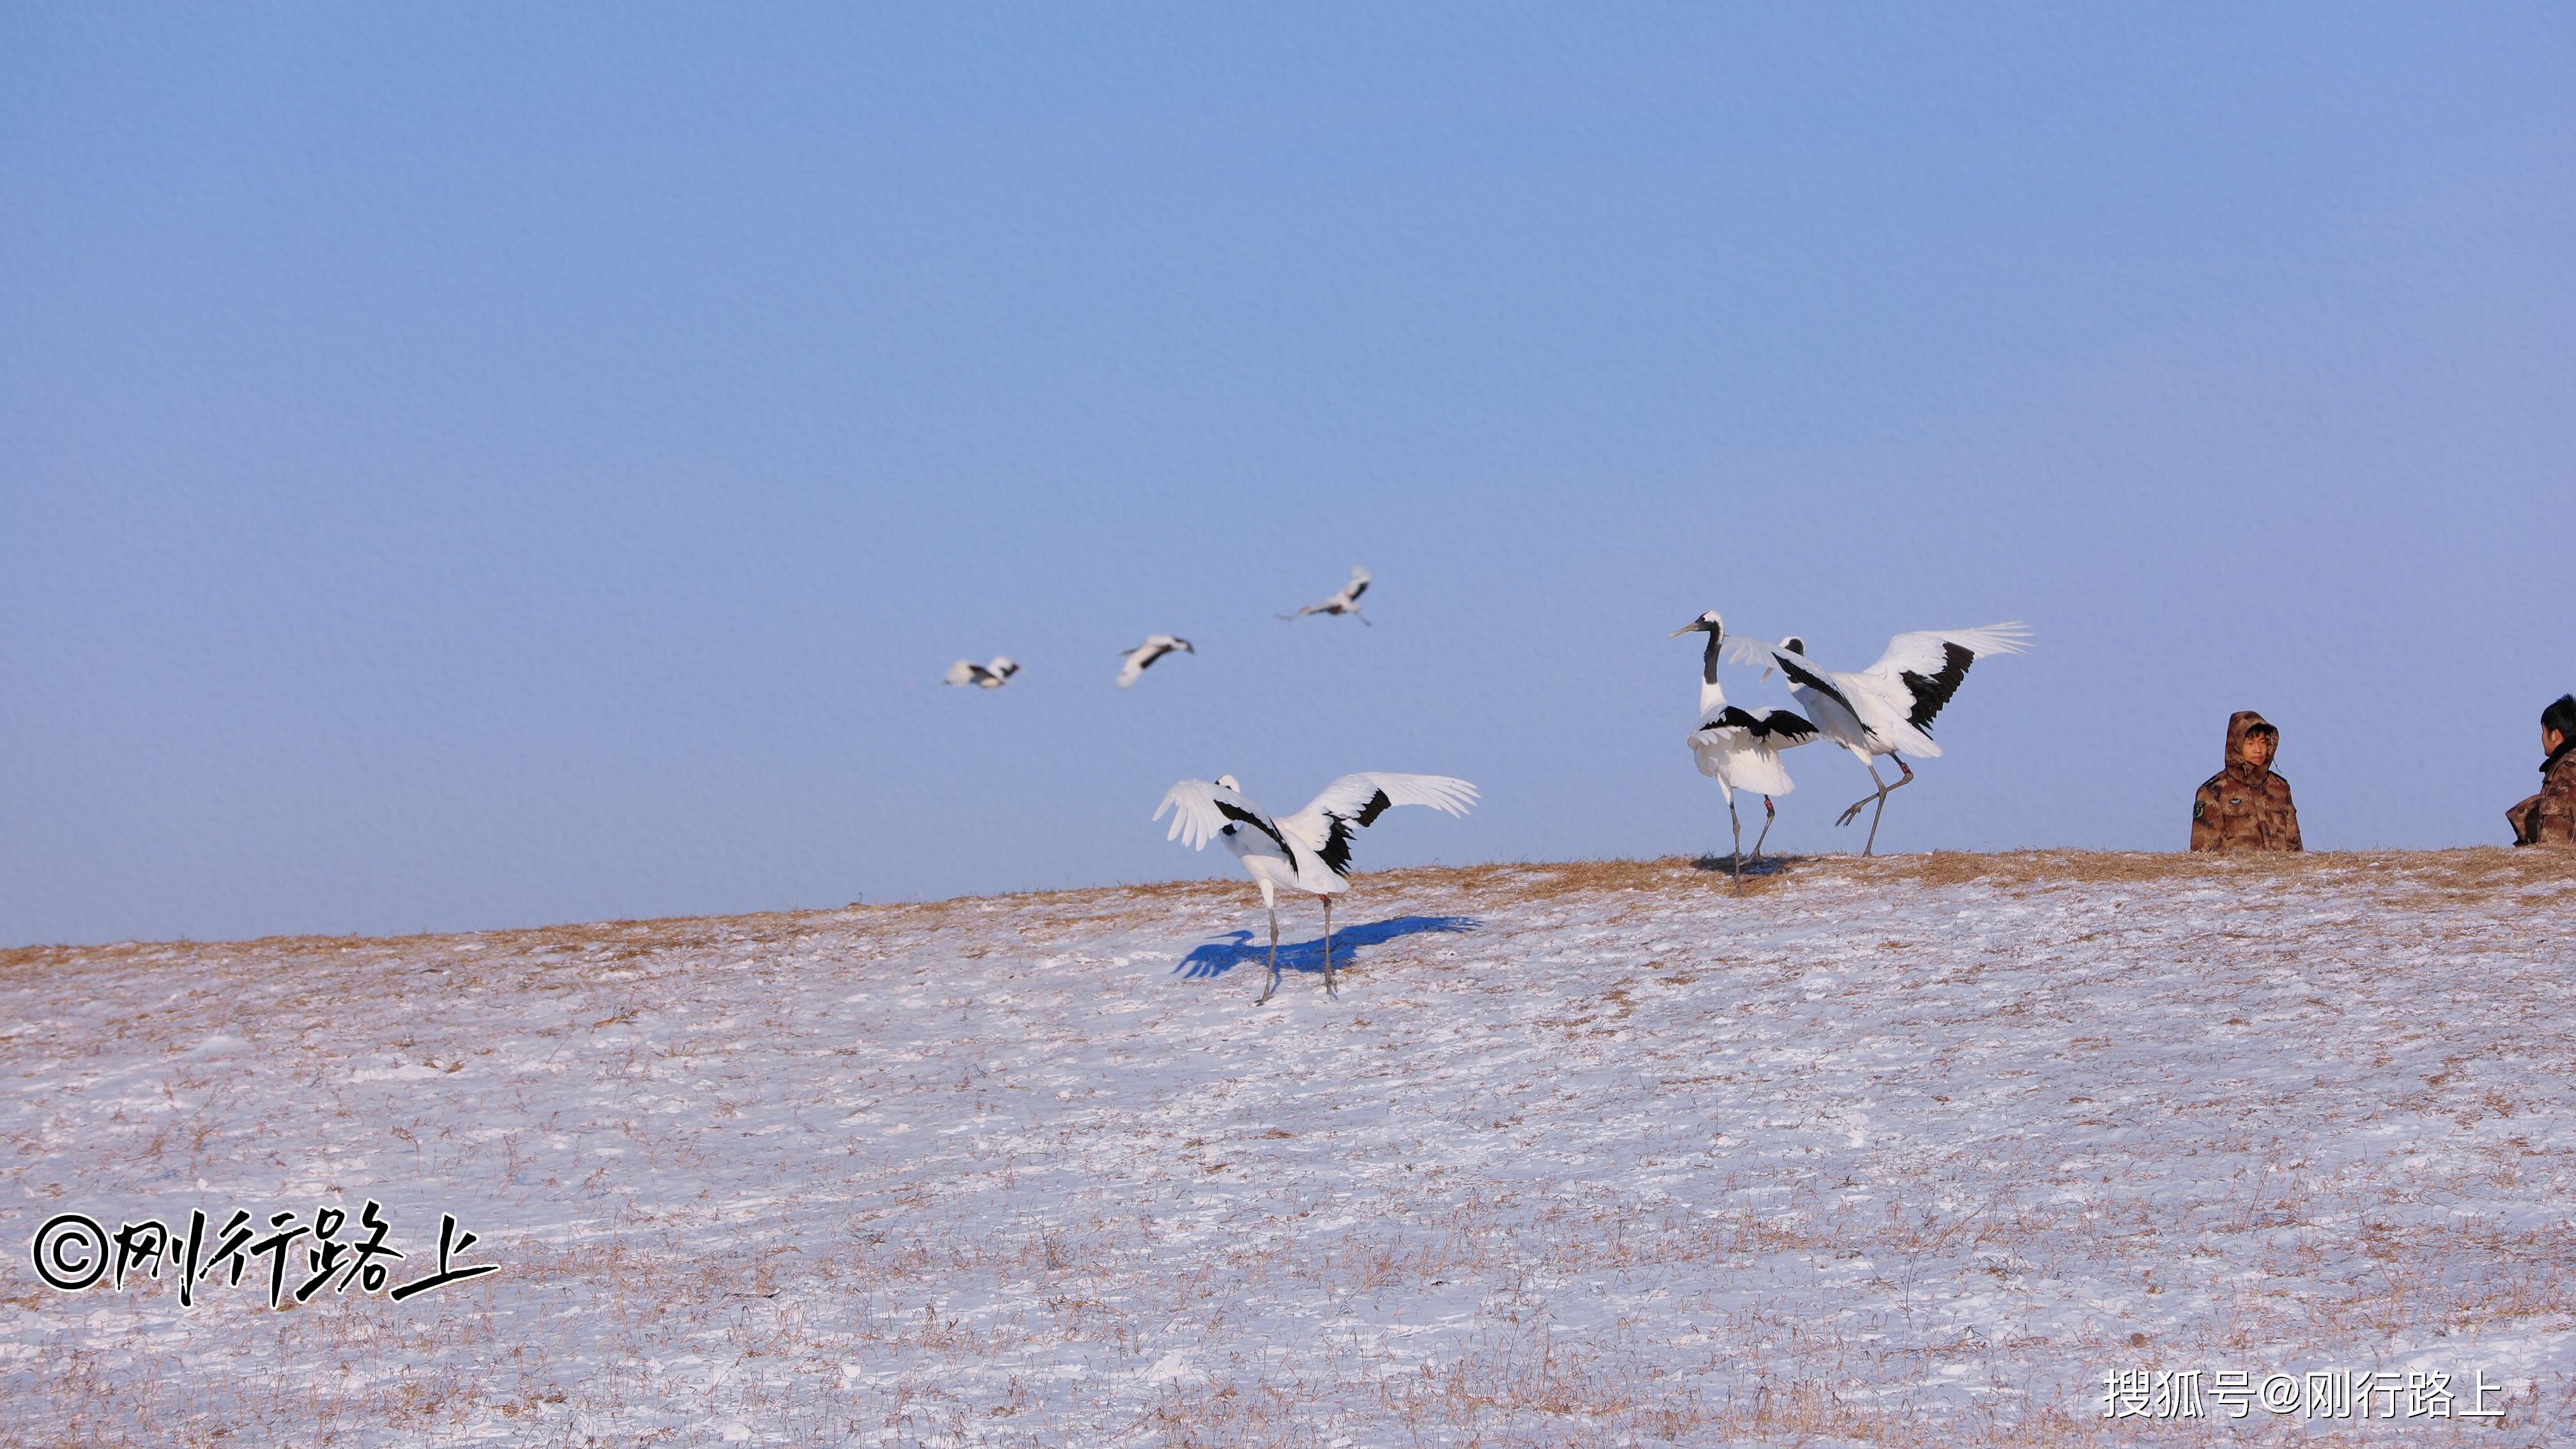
(2244, 807)
(2549, 818)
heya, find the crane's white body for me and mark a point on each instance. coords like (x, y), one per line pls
(1888, 708)
(1142, 657)
(1740, 748)
(983, 676)
(1309, 851)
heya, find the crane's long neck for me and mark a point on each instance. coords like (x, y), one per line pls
(1712, 696)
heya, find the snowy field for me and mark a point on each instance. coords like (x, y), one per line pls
(1906, 1151)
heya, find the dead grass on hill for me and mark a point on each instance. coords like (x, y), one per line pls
(2461, 876)
(2470, 874)
(1523, 881)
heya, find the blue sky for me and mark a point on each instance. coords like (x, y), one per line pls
(473, 468)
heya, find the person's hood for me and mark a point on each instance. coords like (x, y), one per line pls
(2560, 753)
(2241, 724)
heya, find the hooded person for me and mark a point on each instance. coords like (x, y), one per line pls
(2245, 806)
(2549, 818)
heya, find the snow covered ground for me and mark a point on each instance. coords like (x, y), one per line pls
(1912, 1150)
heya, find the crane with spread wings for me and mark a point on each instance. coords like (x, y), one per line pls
(1309, 851)
(1888, 708)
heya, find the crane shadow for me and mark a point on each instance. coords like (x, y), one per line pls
(1241, 947)
(1771, 863)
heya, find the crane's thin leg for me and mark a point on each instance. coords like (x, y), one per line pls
(1735, 823)
(1882, 799)
(1878, 796)
(1273, 987)
(1328, 950)
(1769, 813)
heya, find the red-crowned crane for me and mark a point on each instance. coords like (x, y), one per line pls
(1740, 748)
(1886, 709)
(1142, 657)
(983, 676)
(1345, 602)
(1309, 851)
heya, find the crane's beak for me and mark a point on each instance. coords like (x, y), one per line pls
(1693, 627)
(1766, 671)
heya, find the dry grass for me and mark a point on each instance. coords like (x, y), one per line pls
(2468, 874)
(2476, 870)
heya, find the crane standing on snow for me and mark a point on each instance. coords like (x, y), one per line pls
(1309, 851)
(1889, 706)
(1740, 748)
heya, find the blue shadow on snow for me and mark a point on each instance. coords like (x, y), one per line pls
(1246, 948)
